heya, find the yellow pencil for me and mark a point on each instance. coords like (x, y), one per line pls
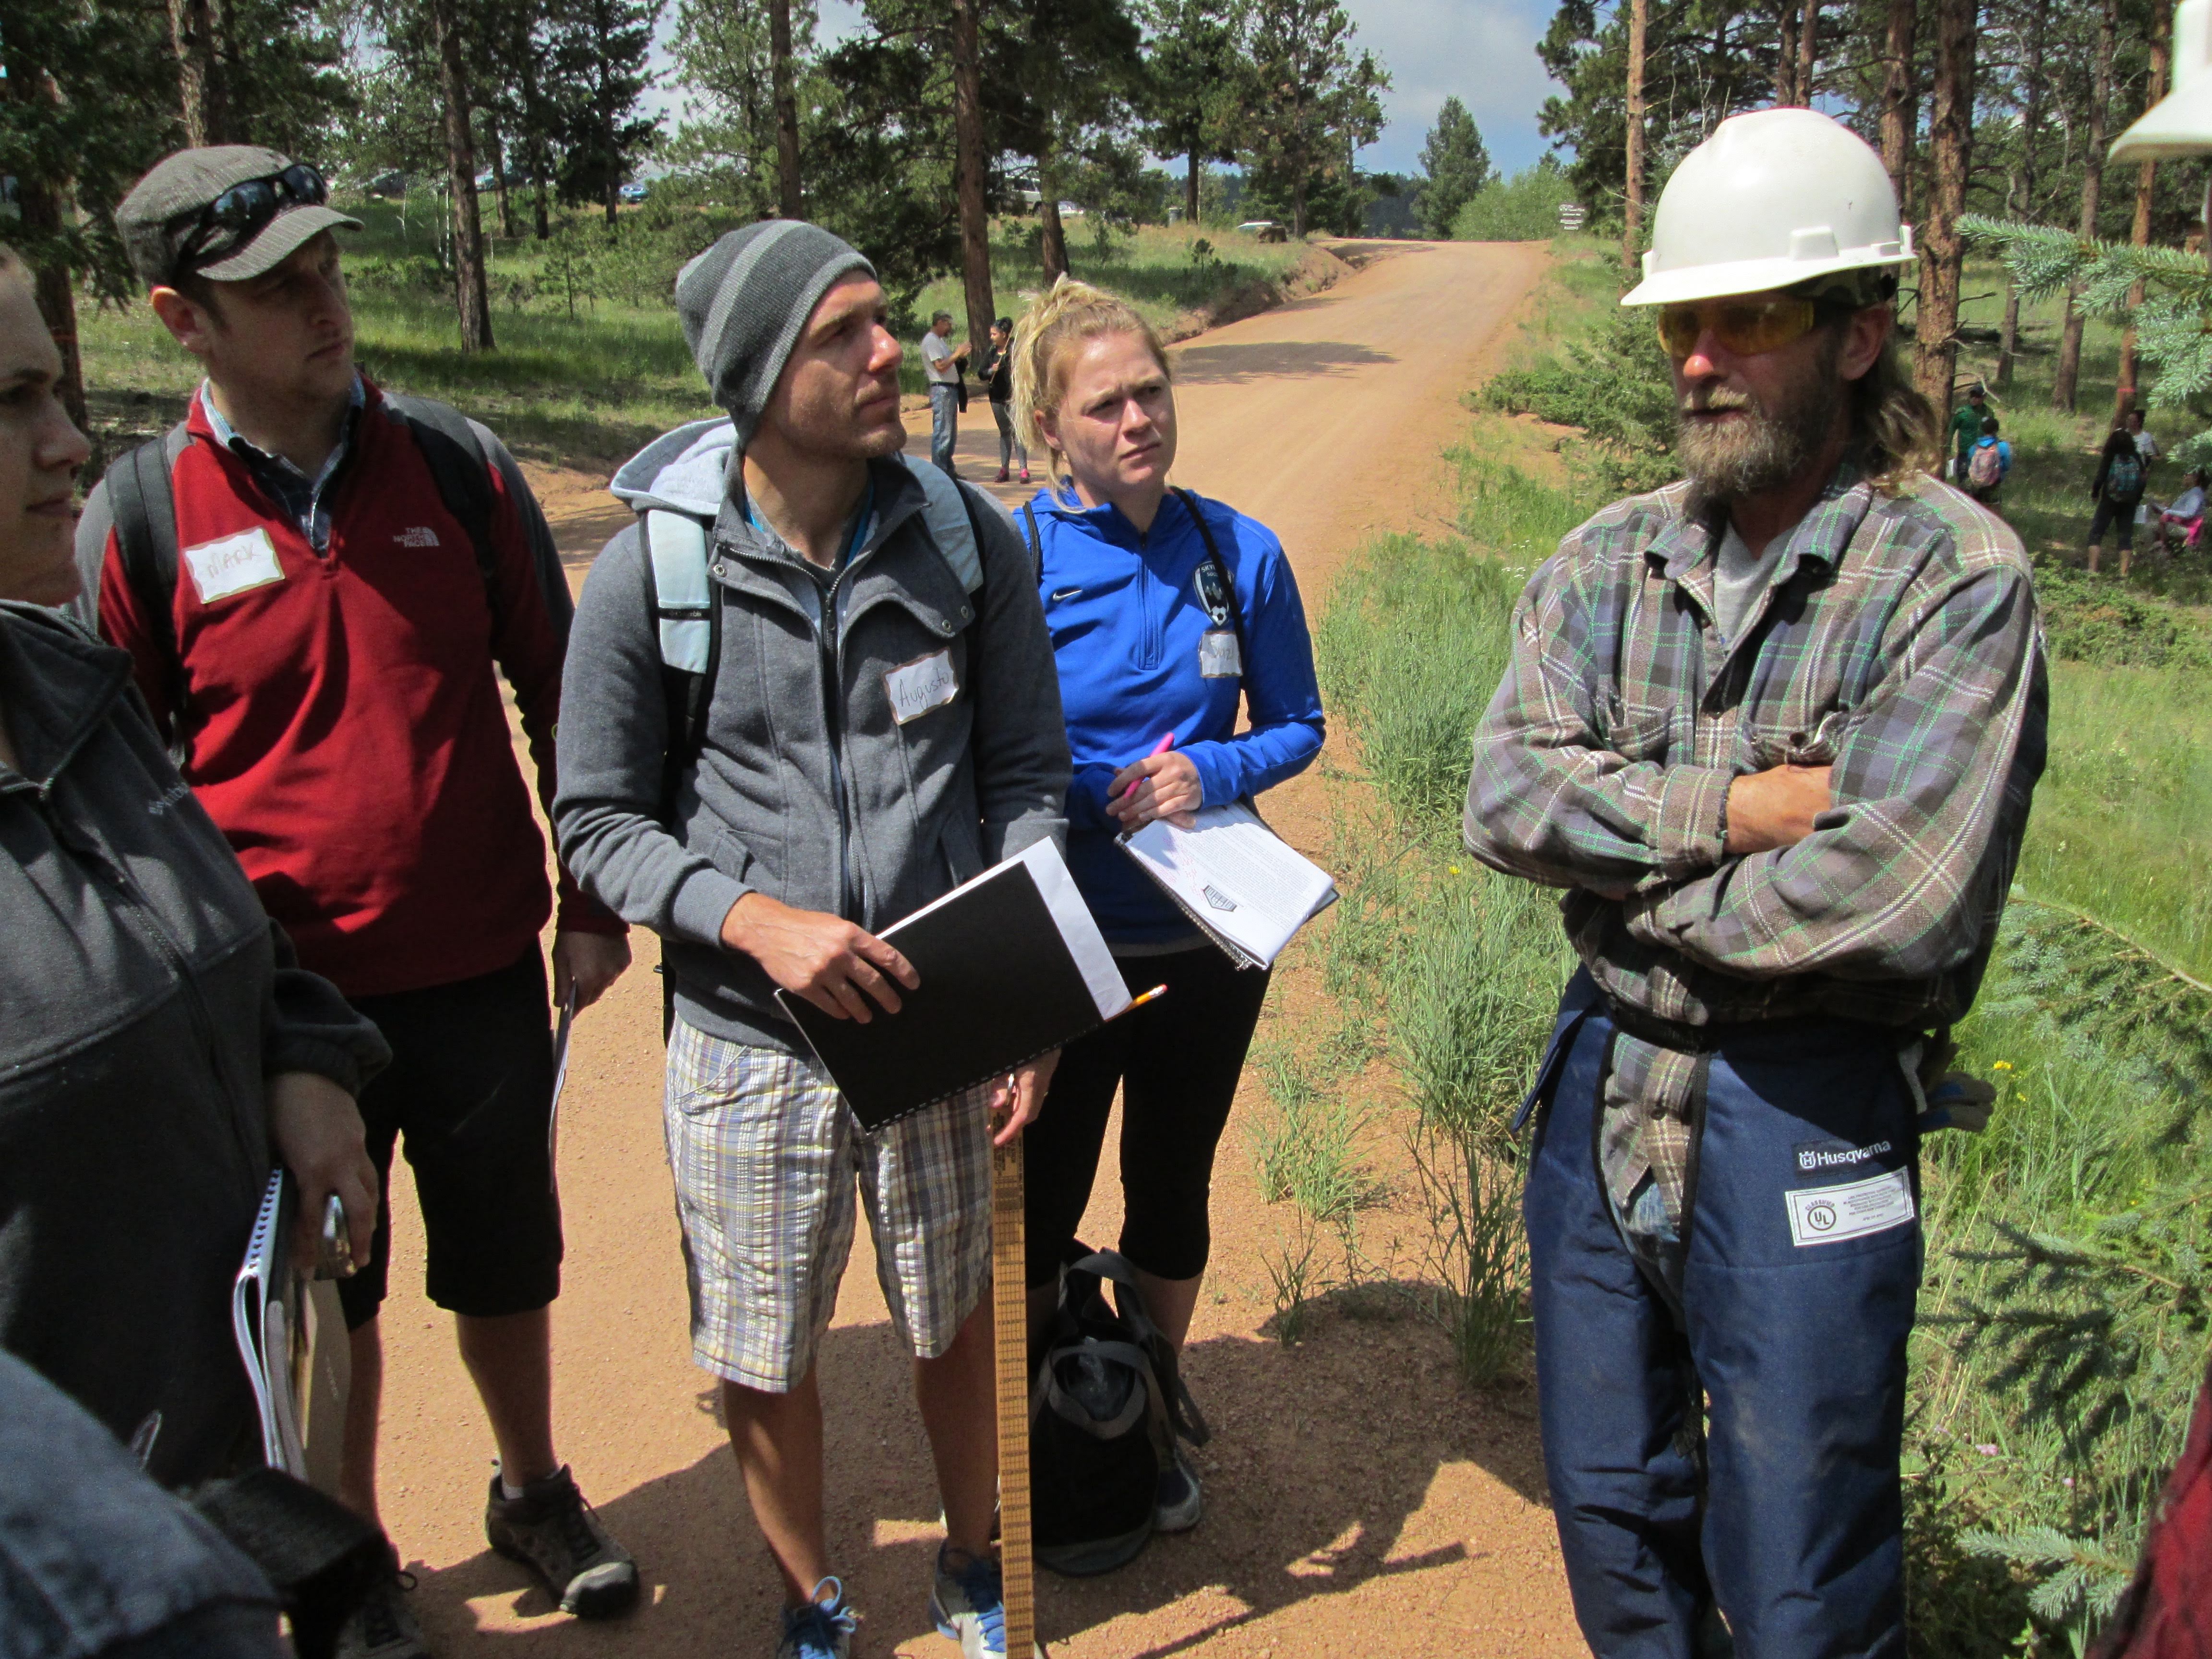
(1138, 1002)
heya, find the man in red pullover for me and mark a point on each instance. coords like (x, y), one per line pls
(317, 584)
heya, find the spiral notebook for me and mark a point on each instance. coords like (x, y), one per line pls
(1010, 964)
(1247, 889)
(292, 1337)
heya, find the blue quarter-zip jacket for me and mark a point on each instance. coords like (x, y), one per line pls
(1126, 614)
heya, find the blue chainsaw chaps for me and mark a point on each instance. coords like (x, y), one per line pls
(1796, 1304)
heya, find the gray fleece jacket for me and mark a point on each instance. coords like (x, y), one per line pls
(143, 997)
(810, 788)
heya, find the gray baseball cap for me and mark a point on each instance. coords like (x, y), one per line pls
(165, 220)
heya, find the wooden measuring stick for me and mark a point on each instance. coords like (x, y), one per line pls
(1010, 1330)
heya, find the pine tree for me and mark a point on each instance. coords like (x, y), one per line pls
(1455, 166)
(1308, 103)
(1194, 62)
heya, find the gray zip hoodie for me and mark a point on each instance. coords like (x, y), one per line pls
(810, 788)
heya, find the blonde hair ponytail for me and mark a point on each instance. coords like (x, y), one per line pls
(1056, 321)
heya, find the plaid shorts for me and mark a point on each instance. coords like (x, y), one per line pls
(767, 1157)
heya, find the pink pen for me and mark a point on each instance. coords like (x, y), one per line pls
(1159, 748)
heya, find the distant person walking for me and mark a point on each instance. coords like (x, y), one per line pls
(2147, 447)
(2181, 524)
(2118, 489)
(941, 362)
(997, 373)
(1988, 463)
(1965, 431)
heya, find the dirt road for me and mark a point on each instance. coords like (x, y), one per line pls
(1358, 1496)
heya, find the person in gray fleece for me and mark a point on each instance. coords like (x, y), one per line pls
(874, 734)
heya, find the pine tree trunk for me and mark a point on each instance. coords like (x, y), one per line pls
(611, 181)
(2066, 383)
(1900, 110)
(1299, 203)
(533, 122)
(1190, 186)
(504, 196)
(787, 110)
(2030, 129)
(1785, 53)
(2146, 177)
(1632, 219)
(968, 164)
(1809, 51)
(1052, 248)
(1943, 252)
(470, 294)
(197, 29)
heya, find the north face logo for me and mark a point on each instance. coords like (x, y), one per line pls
(419, 535)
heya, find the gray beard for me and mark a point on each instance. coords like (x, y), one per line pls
(1764, 450)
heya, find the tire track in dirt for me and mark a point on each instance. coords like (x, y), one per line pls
(1357, 1495)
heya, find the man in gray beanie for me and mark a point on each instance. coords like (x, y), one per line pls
(884, 724)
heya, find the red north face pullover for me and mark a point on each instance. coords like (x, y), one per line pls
(344, 720)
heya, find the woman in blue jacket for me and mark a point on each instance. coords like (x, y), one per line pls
(1165, 609)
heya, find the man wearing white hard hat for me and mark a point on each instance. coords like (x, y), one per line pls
(1774, 729)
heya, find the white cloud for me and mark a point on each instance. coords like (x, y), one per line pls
(1482, 50)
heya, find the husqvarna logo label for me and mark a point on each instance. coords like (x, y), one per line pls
(1835, 1155)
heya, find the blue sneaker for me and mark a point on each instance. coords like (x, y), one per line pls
(968, 1604)
(821, 1629)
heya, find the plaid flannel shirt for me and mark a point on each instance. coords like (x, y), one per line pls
(1896, 642)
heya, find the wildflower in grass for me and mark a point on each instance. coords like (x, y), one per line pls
(2001, 1066)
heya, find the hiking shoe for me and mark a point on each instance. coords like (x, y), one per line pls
(968, 1603)
(552, 1531)
(1001, 478)
(383, 1626)
(1180, 1502)
(1025, 474)
(819, 1629)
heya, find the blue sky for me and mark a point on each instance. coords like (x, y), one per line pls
(1484, 50)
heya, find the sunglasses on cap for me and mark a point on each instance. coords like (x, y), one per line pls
(1744, 328)
(243, 212)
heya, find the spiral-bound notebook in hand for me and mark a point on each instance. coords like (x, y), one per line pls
(1247, 888)
(1010, 964)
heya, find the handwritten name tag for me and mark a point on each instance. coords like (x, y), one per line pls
(1218, 658)
(231, 565)
(918, 686)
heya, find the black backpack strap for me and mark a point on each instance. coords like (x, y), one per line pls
(141, 503)
(1036, 542)
(1222, 570)
(462, 473)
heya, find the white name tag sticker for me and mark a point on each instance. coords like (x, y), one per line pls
(918, 686)
(1823, 1215)
(231, 565)
(1218, 657)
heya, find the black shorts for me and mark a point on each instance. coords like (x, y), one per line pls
(470, 1090)
(2114, 515)
(1176, 1062)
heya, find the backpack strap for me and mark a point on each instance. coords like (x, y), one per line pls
(142, 502)
(951, 520)
(462, 472)
(1220, 569)
(688, 625)
(1036, 541)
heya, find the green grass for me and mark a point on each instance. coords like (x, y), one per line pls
(591, 390)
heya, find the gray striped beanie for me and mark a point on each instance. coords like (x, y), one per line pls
(744, 300)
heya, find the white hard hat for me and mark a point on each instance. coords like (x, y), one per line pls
(2180, 124)
(1773, 198)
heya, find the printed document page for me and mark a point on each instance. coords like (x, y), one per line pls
(1236, 877)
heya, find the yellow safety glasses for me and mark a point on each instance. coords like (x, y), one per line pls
(1745, 328)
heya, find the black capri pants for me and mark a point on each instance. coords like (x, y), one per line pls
(1176, 1062)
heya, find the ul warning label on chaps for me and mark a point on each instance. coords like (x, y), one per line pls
(1824, 1215)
